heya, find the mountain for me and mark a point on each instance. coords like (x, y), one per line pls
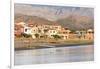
(75, 22)
(30, 19)
(52, 12)
(75, 18)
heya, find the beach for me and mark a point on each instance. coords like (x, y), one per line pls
(28, 43)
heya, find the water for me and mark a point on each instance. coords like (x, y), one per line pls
(54, 55)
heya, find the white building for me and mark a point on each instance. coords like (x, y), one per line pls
(27, 30)
(64, 34)
(52, 32)
(47, 30)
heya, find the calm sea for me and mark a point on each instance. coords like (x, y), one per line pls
(55, 55)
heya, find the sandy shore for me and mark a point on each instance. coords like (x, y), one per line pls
(28, 43)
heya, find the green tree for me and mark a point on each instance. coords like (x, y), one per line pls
(56, 36)
(37, 35)
(26, 35)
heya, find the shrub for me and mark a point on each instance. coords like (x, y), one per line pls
(37, 35)
(26, 35)
(56, 36)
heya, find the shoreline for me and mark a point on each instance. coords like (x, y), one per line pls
(29, 44)
(51, 46)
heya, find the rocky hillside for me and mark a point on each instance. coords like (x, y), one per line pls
(77, 22)
(72, 22)
(31, 19)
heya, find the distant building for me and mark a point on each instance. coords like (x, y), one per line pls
(18, 30)
(90, 34)
(49, 30)
(64, 34)
(52, 32)
(27, 30)
(43, 30)
(81, 34)
(56, 27)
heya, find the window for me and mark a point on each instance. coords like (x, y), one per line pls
(36, 25)
(25, 30)
(64, 32)
(53, 31)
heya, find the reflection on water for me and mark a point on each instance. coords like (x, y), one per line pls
(54, 55)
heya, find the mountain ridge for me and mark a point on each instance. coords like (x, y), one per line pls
(73, 22)
(52, 13)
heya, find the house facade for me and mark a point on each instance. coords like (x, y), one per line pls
(42, 30)
(48, 31)
(90, 34)
(64, 34)
(19, 28)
